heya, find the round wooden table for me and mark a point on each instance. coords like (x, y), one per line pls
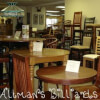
(58, 75)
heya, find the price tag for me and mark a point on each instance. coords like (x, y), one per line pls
(17, 34)
(37, 46)
(73, 66)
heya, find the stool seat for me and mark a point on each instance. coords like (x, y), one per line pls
(91, 56)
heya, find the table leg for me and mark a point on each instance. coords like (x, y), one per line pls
(11, 76)
(66, 92)
(66, 57)
(45, 84)
(32, 76)
(31, 46)
(94, 38)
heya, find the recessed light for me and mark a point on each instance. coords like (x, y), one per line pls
(60, 6)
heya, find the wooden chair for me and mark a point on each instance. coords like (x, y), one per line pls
(92, 89)
(77, 21)
(66, 40)
(88, 31)
(50, 43)
(80, 49)
(49, 33)
(93, 57)
(85, 31)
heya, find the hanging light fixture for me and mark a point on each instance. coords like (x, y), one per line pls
(12, 10)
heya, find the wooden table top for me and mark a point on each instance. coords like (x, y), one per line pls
(79, 47)
(46, 52)
(10, 39)
(58, 75)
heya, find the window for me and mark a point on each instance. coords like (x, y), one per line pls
(51, 21)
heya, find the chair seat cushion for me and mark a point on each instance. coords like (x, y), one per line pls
(79, 47)
(92, 56)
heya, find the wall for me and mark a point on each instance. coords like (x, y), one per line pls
(89, 8)
(42, 12)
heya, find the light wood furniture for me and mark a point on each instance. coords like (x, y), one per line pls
(58, 75)
(93, 57)
(47, 55)
(94, 26)
(90, 88)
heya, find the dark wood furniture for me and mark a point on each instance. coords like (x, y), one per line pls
(91, 88)
(77, 21)
(50, 43)
(58, 75)
(94, 26)
(4, 58)
(22, 76)
(84, 32)
(81, 49)
(6, 29)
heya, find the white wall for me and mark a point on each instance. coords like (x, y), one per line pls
(42, 12)
(89, 8)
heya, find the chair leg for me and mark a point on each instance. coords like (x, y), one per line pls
(84, 62)
(94, 64)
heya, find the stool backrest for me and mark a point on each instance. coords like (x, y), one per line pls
(86, 41)
(22, 76)
(97, 50)
(88, 20)
(77, 20)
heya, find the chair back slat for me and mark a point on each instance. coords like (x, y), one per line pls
(22, 76)
(87, 20)
(97, 50)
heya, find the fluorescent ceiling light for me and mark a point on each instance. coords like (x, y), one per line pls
(62, 9)
(52, 11)
(53, 15)
(60, 6)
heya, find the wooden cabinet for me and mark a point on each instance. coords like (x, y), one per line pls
(2, 29)
(9, 29)
(6, 29)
